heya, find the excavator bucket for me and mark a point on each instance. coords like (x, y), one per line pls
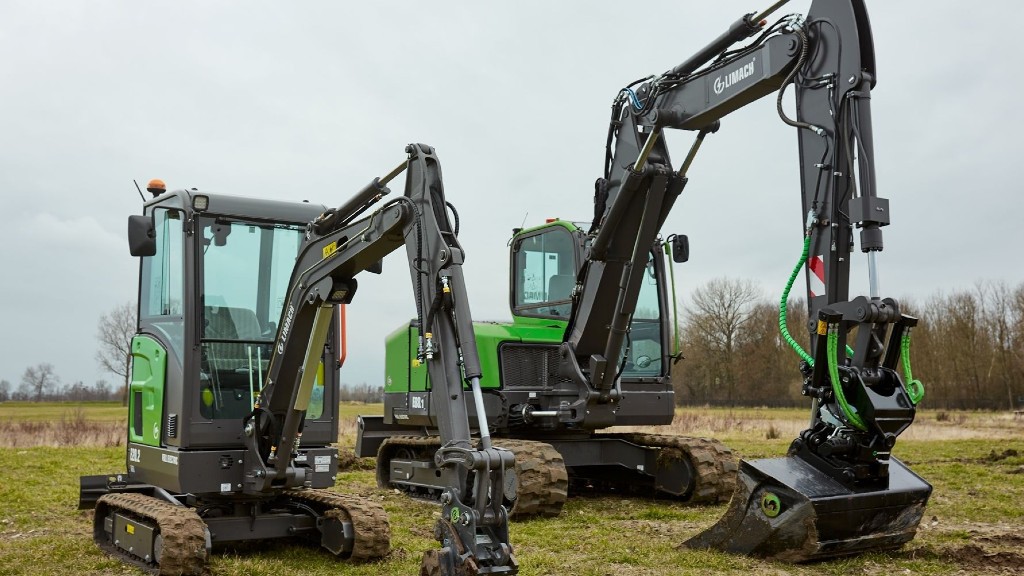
(785, 509)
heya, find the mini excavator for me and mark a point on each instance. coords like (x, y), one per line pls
(233, 401)
(589, 346)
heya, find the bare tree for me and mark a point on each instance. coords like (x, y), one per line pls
(5, 390)
(101, 390)
(39, 379)
(114, 332)
(968, 348)
(721, 310)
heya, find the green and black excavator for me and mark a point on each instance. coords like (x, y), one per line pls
(590, 345)
(233, 401)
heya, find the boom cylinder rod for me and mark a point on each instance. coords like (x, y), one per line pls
(692, 154)
(768, 11)
(394, 173)
(365, 198)
(481, 415)
(741, 29)
(873, 282)
(641, 160)
(710, 129)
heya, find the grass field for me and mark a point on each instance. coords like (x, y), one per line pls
(974, 522)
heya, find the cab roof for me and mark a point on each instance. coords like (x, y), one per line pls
(240, 207)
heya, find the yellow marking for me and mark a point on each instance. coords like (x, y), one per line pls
(822, 327)
(129, 528)
(330, 249)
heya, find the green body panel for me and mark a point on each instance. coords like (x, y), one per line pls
(401, 375)
(146, 398)
(399, 352)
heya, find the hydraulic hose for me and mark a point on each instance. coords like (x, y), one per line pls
(785, 299)
(832, 342)
(783, 328)
(837, 387)
(914, 388)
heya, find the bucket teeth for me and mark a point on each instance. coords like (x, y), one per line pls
(787, 510)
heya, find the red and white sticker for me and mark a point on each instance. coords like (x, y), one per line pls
(816, 279)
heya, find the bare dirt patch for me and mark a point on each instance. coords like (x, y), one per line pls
(991, 548)
(977, 559)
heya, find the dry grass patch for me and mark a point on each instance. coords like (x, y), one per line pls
(73, 428)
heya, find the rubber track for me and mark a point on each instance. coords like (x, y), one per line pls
(427, 443)
(183, 531)
(540, 471)
(543, 479)
(369, 520)
(714, 462)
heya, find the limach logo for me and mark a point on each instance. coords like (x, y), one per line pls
(169, 459)
(284, 329)
(730, 79)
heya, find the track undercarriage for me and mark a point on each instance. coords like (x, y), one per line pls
(697, 470)
(163, 536)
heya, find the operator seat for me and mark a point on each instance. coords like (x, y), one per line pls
(223, 322)
(230, 369)
(560, 290)
(560, 287)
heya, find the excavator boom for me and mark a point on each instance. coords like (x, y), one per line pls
(588, 346)
(838, 491)
(473, 527)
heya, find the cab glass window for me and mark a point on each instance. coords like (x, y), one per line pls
(644, 342)
(544, 274)
(162, 280)
(246, 267)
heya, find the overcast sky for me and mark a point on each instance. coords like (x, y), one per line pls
(311, 100)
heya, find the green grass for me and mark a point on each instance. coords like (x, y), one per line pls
(976, 496)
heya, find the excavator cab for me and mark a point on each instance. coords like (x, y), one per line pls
(540, 413)
(545, 268)
(214, 272)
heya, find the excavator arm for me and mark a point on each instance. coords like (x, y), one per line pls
(337, 247)
(860, 403)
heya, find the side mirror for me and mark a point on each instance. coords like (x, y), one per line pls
(680, 248)
(141, 236)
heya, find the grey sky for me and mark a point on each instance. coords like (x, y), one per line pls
(312, 100)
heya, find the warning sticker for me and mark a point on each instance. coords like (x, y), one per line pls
(322, 464)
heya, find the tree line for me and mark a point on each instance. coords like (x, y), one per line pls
(40, 383)
(114, 333)
(968, 348)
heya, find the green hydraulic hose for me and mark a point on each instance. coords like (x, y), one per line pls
(914, 388)
(785, 299)
(833, 373)
(783, 328)
(833, 343)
